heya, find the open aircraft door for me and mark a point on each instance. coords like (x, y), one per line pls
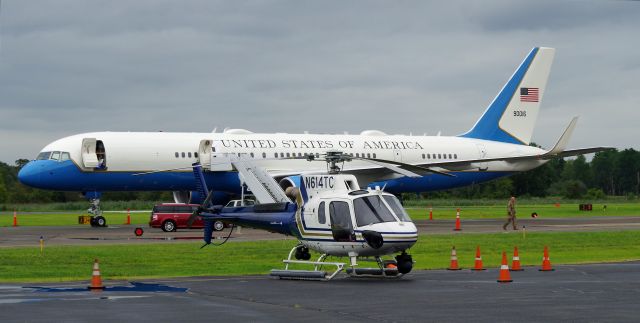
(204, 153)
(93, 154)
(219, 161)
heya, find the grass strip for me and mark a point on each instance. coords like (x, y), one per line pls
(64, 263)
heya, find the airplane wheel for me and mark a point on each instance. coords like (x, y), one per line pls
(101, 221)
(168, 226)
(218, 225)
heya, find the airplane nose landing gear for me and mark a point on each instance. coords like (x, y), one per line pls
(405, 263)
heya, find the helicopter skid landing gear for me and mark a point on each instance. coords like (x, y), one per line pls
(302, 252)
(386, 269)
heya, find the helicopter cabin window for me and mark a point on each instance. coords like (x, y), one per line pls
(397, 208)
(371, 210)
(322, 218)
(341, 226)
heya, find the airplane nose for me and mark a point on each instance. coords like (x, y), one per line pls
(29, 175)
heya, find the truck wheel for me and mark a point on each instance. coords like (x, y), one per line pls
(101, 221)
(168, 226)
(218, 225)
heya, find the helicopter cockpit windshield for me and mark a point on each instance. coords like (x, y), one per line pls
(397, 208)
(372, 210)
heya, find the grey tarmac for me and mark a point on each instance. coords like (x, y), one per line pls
(583, 293)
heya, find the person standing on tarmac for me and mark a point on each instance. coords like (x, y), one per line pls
(511, 213)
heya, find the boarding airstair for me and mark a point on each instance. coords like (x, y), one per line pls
(260, 183)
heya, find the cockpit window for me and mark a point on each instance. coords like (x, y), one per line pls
(370, 210)
(397, 208)
(65, 156)
(55, 155)
(43, 155)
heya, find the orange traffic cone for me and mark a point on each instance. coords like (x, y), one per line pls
(505, 276)
(15, 218)
(96, 280)
(454, 260)
(457, 228)
(430, 213)
(478, 264)
(546, 264)
(128, 217)
(515, 265)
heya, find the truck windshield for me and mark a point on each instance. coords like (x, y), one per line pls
(370, 210)
(397, 208)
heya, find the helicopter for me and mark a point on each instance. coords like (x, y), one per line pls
(327, 212)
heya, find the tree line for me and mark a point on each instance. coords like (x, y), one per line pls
(613, 173)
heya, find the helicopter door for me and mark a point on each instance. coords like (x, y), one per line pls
(220, 161)
(341, 224)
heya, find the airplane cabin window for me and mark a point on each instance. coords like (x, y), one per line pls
(281, 155)
(183, 154)
(322, 218)
(357, 154)
(374, 155)
(317, 155)
(189, 154)
(450, 156)
(423, 156)
(455, 156)
(177, 154)
(439, 156)
(264, 155)
(251, 154)
(368, 155)
(43, 155)
(55, 155)
(195, 155)
(428, 156)
(288, 155)
(65, 156)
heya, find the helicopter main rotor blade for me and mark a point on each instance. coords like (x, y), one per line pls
(393, 168)
(408, 167)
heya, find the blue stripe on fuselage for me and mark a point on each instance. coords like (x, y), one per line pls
(66, 176)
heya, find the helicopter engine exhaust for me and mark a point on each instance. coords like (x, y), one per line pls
(373, 238)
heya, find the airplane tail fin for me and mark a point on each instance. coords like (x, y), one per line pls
(512, 115)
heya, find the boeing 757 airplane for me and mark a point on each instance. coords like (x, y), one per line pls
(496, 146)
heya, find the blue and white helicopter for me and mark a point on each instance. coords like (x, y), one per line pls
(328, 213)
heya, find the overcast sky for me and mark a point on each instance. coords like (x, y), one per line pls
(68, 67)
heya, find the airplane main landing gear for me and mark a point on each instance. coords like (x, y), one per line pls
(97, 220)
